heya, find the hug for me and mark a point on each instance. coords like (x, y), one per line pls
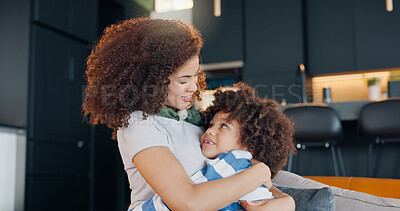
(143, 76)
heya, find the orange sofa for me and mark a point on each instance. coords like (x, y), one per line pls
(389, 188)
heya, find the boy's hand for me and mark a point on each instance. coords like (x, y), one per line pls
(268, 181)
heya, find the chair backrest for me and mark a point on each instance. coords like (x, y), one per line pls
(380, 118)
(315, 123)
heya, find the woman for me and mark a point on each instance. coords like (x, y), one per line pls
(139, 74)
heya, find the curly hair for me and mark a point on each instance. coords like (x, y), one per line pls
(129, 66)
(265, 130)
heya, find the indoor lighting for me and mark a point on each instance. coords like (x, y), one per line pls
(389, 5)
(217, 8)
(350, 77)
(171, 5)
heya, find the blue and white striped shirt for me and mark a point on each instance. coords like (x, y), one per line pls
(225, 165)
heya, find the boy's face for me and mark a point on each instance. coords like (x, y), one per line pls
(221, 136)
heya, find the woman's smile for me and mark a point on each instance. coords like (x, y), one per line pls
(188, 98)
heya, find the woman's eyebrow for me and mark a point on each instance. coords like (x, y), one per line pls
(189, 76)
(185, 76)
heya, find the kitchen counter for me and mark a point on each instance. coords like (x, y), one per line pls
(347, 111)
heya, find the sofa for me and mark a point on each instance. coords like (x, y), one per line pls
(350, 193)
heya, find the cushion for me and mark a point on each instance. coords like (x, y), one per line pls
(316, 199)
(344, 199)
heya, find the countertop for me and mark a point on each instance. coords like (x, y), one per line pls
(347, 111)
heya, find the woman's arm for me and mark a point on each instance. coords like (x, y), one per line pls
(281, 202)
(164, 173)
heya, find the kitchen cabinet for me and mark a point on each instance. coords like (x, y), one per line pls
(64, 193)
(377, 34)
(14, 57)
(75, 17)
(276, 86)
(223, 36)
(57, 159)
(330, 36)
(57, 175)
(42, 61)
(274, 47)
(345, 36)
(57, 86)
(59, 144)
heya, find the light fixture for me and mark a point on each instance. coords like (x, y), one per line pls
(217, 8)
(389, 5)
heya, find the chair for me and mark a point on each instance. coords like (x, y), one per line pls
(381, 122)
(317, 125)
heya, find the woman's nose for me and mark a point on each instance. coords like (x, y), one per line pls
(192, 87)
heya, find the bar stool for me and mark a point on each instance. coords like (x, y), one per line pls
(380, 122)
(317, 125)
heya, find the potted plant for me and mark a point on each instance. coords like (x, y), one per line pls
(374, 88)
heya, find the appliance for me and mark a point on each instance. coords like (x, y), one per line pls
(394, 89)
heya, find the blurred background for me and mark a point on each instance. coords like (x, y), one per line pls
(292, 51)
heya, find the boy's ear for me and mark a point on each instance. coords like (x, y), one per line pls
(253, 152)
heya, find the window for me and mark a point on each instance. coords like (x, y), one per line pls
(170, 5)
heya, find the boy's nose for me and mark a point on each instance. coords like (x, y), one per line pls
(210, 131)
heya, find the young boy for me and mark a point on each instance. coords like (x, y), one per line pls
(243, 126)
(242, 120)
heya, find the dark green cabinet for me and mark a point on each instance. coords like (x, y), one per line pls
(223, 36)
(57, 176)
(75, 17)
(58, 149)
(57, 87)
(14, 58)
(52, 158)
(345, 36)
(274, 48)
(64, 193)
(330, 36)
(377, 35)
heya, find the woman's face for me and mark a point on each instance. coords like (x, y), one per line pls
(183, 85)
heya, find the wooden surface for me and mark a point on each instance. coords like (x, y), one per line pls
(375, 186)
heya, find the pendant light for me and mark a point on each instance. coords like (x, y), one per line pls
(217, 8)
(389, 5)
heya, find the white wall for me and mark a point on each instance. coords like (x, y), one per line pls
(12, 168)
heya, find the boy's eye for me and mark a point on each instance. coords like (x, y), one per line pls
(224, 126)
(182, 82)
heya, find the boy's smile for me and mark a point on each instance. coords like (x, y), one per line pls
(221, 136)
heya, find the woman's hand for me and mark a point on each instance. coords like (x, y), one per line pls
(282, 201)
(268, 181)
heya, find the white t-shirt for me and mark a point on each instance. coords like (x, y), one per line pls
(182, 138)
